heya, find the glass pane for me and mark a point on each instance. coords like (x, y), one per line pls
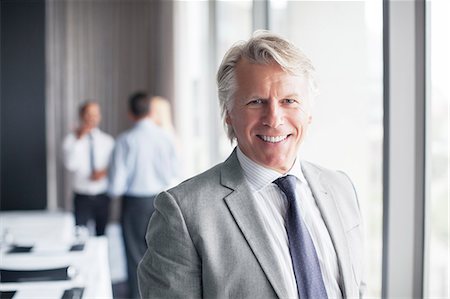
(191, 102)
(203, 32)
(228, 33)
(344, 41)
(438, 45)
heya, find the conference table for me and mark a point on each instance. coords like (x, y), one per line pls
(43, 255)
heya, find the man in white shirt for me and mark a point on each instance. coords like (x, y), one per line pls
(264, 223)
(86, 153)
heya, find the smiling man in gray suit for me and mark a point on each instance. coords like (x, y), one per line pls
(262, 224)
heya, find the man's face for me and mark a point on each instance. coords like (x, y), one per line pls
(270, 114)
(91, 116)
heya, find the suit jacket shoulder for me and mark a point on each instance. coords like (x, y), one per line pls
(198, 185)
(195, 244)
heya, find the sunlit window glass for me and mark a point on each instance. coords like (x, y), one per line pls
(437, 253)
(191, 84)
(228, 33)
(203, 33)
(344, 41)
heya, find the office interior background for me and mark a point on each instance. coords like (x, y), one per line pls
(382, 115)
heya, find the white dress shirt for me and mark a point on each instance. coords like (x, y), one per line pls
(273, 206)
(76, 154)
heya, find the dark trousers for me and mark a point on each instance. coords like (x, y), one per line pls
(136, 213)
(92, 207)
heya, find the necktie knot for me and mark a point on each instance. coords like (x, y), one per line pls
(287, 184)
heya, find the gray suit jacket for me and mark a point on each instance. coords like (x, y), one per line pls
(207, 238)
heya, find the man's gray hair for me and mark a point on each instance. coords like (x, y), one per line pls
(263, 47)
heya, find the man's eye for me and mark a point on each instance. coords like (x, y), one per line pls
(255, 102)
(290, 101)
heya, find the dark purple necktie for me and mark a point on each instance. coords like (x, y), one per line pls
(303, 254)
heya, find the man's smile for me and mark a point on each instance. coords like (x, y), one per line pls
(273, 139)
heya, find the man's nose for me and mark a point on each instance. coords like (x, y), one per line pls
(273, 115)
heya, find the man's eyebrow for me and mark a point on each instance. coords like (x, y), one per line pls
(257, 97)
(290, 96)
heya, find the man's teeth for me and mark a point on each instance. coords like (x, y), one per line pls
(273, 139)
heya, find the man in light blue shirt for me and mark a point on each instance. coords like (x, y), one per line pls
(144, 163)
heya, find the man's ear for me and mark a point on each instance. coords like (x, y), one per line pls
(228, 119)
(131, 116)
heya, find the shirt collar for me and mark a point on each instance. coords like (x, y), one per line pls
(146, 121)
(94, 131)
(259, 176)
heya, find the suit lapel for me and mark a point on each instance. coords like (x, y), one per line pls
(326, 202)
(242, 206)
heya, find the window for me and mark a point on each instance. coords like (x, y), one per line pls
(437, 218)
(344, 41)
(191, 101)
(229, 33)
(203, 33)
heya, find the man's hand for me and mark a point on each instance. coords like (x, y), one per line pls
(82, 130)
(98, 174)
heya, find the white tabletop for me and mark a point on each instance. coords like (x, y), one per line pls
(91, 266)
(51, 235)
(31, 227)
